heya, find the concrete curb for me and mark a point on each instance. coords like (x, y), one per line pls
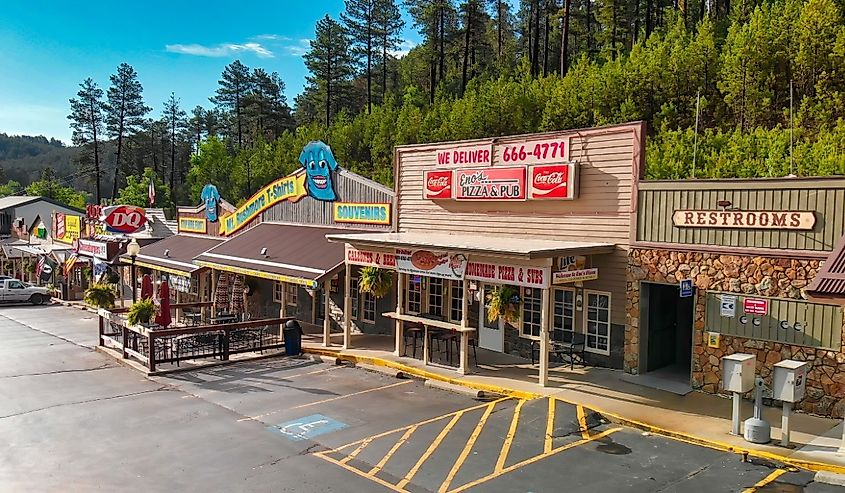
(391, 372)
(458, 389)
(829, 478)
(518, 394)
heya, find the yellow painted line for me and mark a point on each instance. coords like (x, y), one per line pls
(532, 460)
(763, 482)
(467, 448)
(378, 467)
(550, 427)
(355, 452)
(363, 475)
(383, 387)
(295, 375)
(431, 448)
(582, 422)
(506, 447)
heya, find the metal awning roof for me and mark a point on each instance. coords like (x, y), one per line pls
(174, 254)
(528, 248)
(829, 283)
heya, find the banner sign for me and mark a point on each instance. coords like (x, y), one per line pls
(552, 181)
(490, 184)
(518, 275)
(478, 155)
(92, 248)
(581, 275)
(432, 264)
(382, 260)
(179, 283)
(361, 213)
(437, 185)
(290, 188)
(745, 219)
(535, 151)
(193, 225)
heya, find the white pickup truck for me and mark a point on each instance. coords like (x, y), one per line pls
(14, 291)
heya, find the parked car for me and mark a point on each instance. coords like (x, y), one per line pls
(14, 291)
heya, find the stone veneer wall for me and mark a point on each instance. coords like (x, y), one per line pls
(744, 274)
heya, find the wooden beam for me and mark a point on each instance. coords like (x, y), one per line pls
(544, 339)
(327, 316)
(400, 308)
(347, 307)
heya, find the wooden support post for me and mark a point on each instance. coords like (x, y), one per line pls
(327, 317)
(544, 340)
(400, 305)
(464, 356)
(225, 343)
(347, 307)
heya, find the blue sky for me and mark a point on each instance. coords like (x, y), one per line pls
(48, 47)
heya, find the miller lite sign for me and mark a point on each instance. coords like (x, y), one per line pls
(437, 185)
(553, 181)
(124, 218)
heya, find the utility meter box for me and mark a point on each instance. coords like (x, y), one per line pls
(738, 372)
(790, 380)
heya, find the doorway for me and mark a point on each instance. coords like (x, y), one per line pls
(667, 339)
(491, 335)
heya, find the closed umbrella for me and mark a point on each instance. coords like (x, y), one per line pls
(237, 306)
(163, 315)
(221, 296)
(146, 287)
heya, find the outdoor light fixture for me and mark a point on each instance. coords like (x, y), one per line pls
(167, 253)
(264, 251)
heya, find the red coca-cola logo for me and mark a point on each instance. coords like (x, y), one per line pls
(550, 181)
(546, 180)
(438, 185)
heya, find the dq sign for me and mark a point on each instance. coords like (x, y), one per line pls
(124, 218)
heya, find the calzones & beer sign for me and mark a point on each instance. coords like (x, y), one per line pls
(124, 218)
(490, 184)
(795, 220)
(437, 185)
(552, 181)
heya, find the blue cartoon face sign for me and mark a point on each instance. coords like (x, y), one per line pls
(319, 163)
(211, 198)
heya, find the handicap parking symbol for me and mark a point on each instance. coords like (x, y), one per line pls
(307, 427)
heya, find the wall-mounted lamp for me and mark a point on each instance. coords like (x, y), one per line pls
(579, 302)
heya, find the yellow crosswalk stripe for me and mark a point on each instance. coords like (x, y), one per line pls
(405, 436)
(763, 482)
(550, 427)
(506, 447)
(431, 448)
(582, 422)
(467, 448)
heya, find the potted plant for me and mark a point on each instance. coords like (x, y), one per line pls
(29, 267)
(141, 312)
(375, 281)
(503, 304)
(100, 295)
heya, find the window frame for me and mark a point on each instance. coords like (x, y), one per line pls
(573, 292)
(291, 294)
(278, 292)
(429, 294)
(452, 285)
(586, 321)
(354, 297)
(523, 318)
(407, 297)
(365, 300)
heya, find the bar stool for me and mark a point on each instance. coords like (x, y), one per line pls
(414, 330)
(451, 338)
(435, 335)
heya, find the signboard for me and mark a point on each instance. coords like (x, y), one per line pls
(91, 248)
(686, 288)
(756, 306)
(124, 218)
(437, 185)
(552, 181)
(179, 283)
(73, 228)
(382, 260)
(60, 226)
(728, 305)
(575, 276)
(361, 213)
(518, 275)
(535, 151)
(477, 155)
(792, 220)
(713, 339)
(193, 225)
(431, 263)
(490, 184)
(290, 188)
(94, 212)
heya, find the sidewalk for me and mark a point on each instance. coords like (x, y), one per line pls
(698, 418)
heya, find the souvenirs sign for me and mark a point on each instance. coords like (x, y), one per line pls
(552, 181)
(431, 263)
(793, 220)
(518, 275)
(490, 184)
(437, 185)
(290, 188)
(361, 213)
(192, 225)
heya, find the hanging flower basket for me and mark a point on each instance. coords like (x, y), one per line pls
(375, 281)
(503, 303)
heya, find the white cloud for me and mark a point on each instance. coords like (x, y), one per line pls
(220, 50)
(271, 37)
(299, 48)
(404, 47)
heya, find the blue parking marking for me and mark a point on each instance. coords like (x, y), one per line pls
(307, 427)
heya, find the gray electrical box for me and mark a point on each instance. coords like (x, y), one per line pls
(790, 380)
(738, 372)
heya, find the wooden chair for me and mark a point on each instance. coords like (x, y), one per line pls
(570, 344)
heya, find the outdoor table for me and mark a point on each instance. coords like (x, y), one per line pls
(193, 317)
(222, 319)
(428, 322)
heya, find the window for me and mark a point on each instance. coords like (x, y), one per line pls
(278, 292)
(291, 291)
(354, 296)
(413, 295)
(597, 321)
(15, 285)
(369, 308)
(532, 302)
(563, 315)
(321, 304)
(456, 304)
(435, 296)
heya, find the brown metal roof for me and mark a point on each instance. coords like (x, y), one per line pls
(830, 281)
(295, 251)
(182, 250)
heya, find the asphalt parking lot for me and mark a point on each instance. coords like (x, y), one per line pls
(74, 420)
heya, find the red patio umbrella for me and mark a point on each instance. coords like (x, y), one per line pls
(163, 314)
(146, 287)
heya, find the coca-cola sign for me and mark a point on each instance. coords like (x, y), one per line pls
(504, 184)
(438, 185)
(124, 218)
(553, 181)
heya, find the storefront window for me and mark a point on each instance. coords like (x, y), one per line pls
(532, 302)
(354, 297)
(278, 291)
(321, 307)
(598, 322)
(413, 295)
(456, 305)
(369, 308)
(564, 315)
(435, 296)
(291, 291)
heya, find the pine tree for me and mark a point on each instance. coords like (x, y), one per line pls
(330, 64)
(389, 24)
(87, 122)
(359, 18)
(196, 125)
(234, 86)
(266, 105)
(125, 112)
(175, 119)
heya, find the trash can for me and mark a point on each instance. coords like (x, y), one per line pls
(293, 338)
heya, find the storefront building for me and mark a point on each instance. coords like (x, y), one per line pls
(544, 218)
(723, 266)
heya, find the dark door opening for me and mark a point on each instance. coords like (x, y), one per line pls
(669, 337)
